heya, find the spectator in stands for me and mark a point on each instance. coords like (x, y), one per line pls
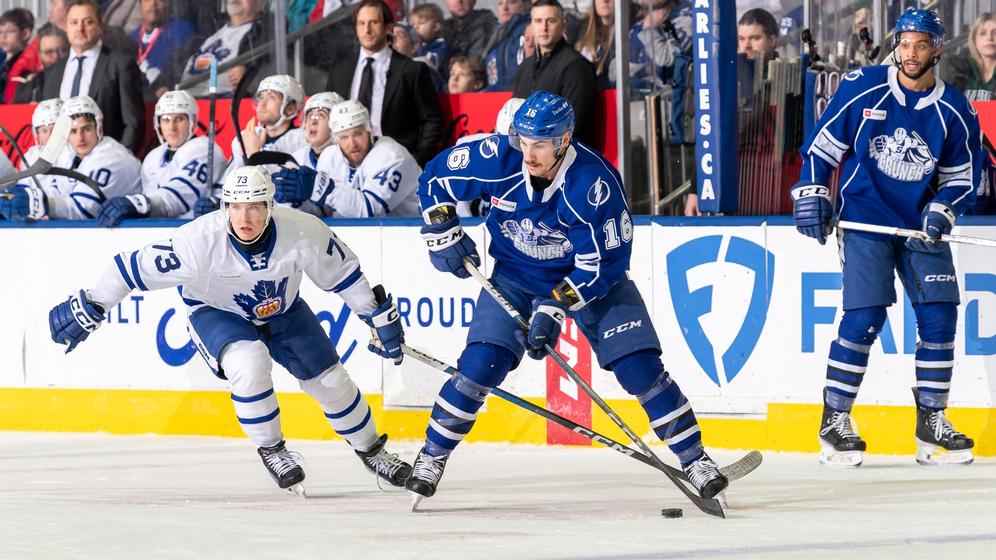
(757, 35)
(405, 40)
(158, 37)
(503, 54)
(661, 46)
(468, 31)
(558, 68)
(402, 103)
(427, 21)
(19, 64)
(974, 71)
(466, 75)
(126, 14)
(57, 10)
(246, 27)
(52, 46)
(110, 78)
(597, 44)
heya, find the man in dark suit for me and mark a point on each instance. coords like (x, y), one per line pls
(112, 79)
(397, 90)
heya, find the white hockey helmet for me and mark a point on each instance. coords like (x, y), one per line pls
(85, 105)
(347, 115)
(289, 89)
(324, 100)
(171, 103)
(250, 183)
(45, 114)
(503, 124)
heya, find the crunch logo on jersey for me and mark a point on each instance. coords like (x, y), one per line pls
(902, 156)
(538, 241)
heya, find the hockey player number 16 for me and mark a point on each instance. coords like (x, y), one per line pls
(612, 236)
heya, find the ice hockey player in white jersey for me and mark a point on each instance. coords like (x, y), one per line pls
(278, 101)
(111, 166)
(316, 128)
(42, 120)
(241, 270)
(908, 149)
(364, 177)
(174, 174)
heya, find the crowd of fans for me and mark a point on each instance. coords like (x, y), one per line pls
(391, 58)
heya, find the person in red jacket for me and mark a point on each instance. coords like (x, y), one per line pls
(15, 34)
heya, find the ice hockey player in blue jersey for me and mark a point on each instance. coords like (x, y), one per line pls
(562, 239)
(240, 269)
(909, 153)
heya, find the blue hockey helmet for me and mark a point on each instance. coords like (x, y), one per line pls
(543, 116)
(920, 21)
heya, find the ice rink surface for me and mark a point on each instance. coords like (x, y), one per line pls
(82, 496)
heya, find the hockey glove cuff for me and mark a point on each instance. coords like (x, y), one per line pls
(544, 326)
(448, 245)
(123, 207)
(294, 185)
(26, 202)
(72, 321)
(813, 211)
(938, 219)
(386, 324)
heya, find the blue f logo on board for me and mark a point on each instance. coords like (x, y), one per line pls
(691, 306)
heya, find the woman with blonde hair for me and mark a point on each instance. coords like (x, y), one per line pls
(597, 44)
(974, 73)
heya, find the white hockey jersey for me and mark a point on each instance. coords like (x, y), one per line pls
(223, 45)
(173, 184)
(116, 172)
(289, 142)
(305, 157)
(49, 183)
(216, 271)
(384, 184)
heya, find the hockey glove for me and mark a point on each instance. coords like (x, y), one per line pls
(544, 326)
(938, 219)
(386, 322)
(812, 211)
(73, 320)
(206, 205)
(294, 184)
(123, 207)
(24, 202)
(448, 245)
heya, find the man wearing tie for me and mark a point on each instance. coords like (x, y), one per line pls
(111, 79)
(397, 90)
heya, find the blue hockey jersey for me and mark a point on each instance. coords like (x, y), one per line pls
(579, 228)
(898, 149)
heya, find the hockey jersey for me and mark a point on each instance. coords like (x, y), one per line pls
(383, 184)
(49, 183)
(289, 142)
(174, 181)
(305, 157)
(579, 228)
(215, 270)
(897, 149)
(115, 170)
(223, 45)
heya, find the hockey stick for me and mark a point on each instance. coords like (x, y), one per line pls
(56, 142)
(707, 505)
(213, 98)
(20, 152)
(889, 230)
(733, 471)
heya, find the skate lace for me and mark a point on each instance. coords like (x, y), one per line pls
(385, 463)
(942, 426)
(843, 424)
(428, 468)
(701, 472)
(282, 461)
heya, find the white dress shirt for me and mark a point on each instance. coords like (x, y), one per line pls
(381, 63)
(89, 63)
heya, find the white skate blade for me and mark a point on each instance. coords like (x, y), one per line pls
(931, 455)
(830, 457)
(416, 500)
(298, 490)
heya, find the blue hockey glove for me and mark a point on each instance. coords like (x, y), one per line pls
(938, 219)
(448, 245)
(206, 205)
(123, 207)
(294, 184)
(73, 320)
(386, 322)
(813, 211)
(24, 202)
(544, 326)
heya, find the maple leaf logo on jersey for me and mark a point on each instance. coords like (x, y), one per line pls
(902, 156)
(538, 241)
(268, 299)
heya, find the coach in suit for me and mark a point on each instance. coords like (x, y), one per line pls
(112, 79)
(397, 90)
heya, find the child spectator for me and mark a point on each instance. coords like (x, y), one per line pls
(466, 75)
(15, 34)
(427, 20)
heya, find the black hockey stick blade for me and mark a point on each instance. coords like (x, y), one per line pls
(269, 158)
(20, 152)
(39, 167)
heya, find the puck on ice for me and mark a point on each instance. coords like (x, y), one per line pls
(672, 513)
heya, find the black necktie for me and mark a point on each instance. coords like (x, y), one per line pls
(365, 95)
(79, 77)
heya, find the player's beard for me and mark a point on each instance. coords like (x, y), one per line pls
(923, 70)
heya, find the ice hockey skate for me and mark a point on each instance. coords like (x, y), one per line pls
(425, 477)
(387, 466)
(840, 445)
(705, 476)
(284, 468)
(938, 443)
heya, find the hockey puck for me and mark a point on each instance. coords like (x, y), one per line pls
(672, 513)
